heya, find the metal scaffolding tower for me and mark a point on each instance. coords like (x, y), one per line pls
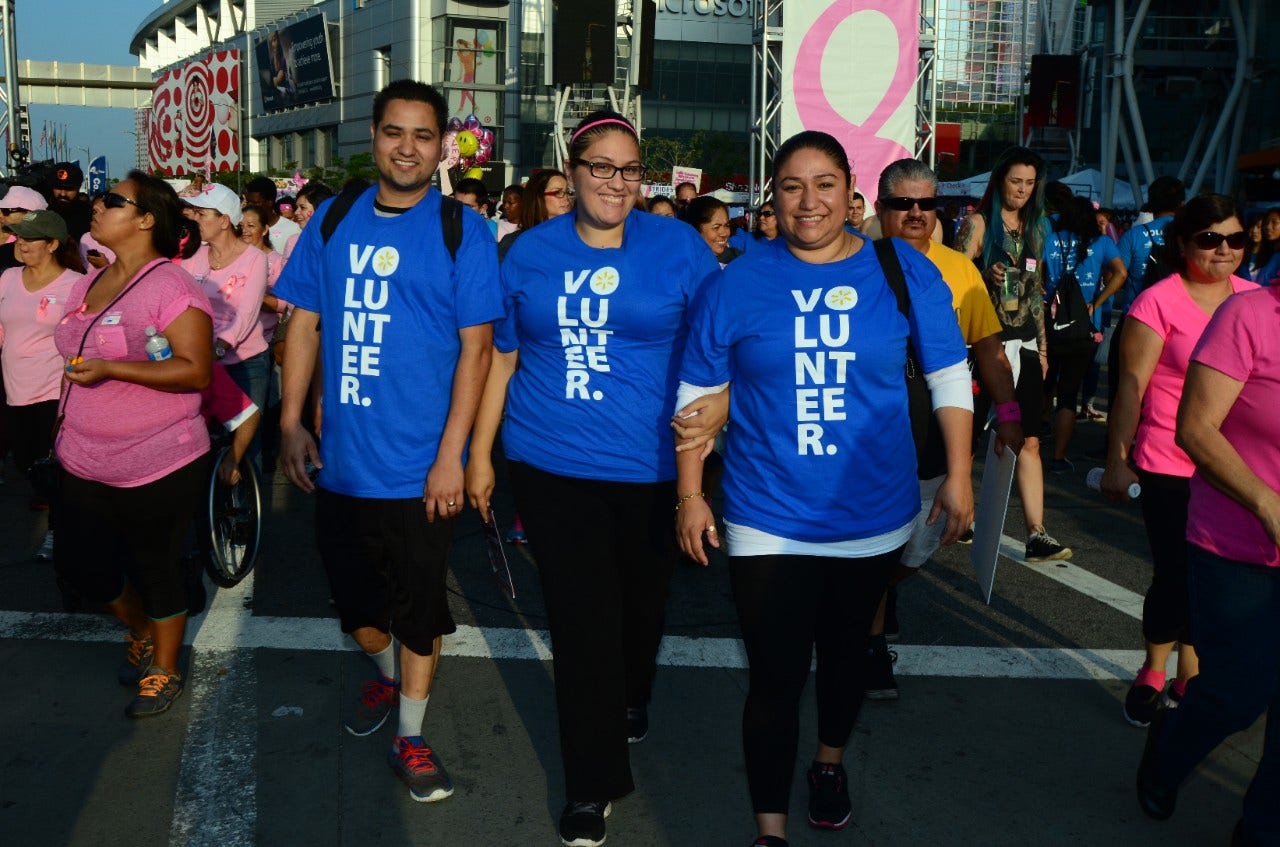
(572, 103)
(18, 148)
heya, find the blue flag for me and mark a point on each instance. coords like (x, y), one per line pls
(98, 176)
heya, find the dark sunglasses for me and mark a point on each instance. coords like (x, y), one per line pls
(904, 204)
(8, 211)
(118, 201)
(766, 213)
(1211, 240)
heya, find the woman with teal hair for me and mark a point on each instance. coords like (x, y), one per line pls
(1006, 238)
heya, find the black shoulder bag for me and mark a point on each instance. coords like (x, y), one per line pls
(45, 474)
(931, 452)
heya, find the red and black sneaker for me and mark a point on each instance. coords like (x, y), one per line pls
(829, 804)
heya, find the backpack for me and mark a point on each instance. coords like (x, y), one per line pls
(1068, 327)
(931, 453)
(1156, 267)
(450, 219)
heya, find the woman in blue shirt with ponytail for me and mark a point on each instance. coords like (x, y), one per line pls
(820, 489)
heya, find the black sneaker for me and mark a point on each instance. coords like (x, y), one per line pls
(1171, 699)
(377, 697)
(829, 805)
(880, 684)
(137, 659)
(769, 841)
(156, 692)
(637, 724)
(420, 768)
(891, 628)
(1043, 547)
(582, 823)
(1141, 704)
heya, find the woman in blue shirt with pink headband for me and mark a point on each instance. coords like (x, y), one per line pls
(596, 304)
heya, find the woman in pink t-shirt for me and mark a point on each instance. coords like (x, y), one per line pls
(234, 277)
(132, 442)
(32, 300)
(1205, 241)
(1227, 424)
(254, 232)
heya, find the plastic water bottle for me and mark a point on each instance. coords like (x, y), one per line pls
(1094, 481)
(158, 348)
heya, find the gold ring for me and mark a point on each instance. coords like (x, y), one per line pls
(451, 503)
(711, 529)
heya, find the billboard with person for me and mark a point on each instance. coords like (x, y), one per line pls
(293, 64)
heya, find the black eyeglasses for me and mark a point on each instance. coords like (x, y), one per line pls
(13, 211)
(604, 170)
(118, 201)
(904, 204)
(1212, 240)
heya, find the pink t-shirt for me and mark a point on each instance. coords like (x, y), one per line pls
(121, 433)
(28, 356)
(87, 243)
(1168, 309)
(1242, 342)
(236, 295)
(267, 318)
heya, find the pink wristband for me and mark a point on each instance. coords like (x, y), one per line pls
(1009, 412)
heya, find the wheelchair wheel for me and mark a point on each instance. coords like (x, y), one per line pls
(235, 524)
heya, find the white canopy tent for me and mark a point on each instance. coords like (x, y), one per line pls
(1089, 183)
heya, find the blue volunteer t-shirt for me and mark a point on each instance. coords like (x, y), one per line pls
(820, 449)
(1135, 248)
(600, 334)
(1060, 254)
(391, 303)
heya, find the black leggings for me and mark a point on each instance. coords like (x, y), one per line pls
(606, 552)
(31, 431)
(1166, 611)
(787, 606)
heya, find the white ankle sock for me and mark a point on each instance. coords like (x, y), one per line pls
(385, 660)
(412, 714)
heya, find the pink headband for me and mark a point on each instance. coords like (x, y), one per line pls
(601, 122)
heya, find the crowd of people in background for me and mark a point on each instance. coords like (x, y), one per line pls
(585, 308)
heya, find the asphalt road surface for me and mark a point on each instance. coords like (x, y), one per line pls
(1008, 730)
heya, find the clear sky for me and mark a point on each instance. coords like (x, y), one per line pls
(93, 31)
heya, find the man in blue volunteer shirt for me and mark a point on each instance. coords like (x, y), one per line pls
(1165, 196)
(404, 352)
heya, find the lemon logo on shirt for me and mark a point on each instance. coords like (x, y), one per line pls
(385, 261)
(605, 281)
(842, 297)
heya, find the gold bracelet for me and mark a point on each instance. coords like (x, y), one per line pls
(680, 501)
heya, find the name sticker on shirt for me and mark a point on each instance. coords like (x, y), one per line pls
(112, 319)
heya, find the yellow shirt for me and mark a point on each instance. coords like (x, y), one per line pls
(969, 296)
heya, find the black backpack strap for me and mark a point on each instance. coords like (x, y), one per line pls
(338, 210)
(450, 219)
(451, 225)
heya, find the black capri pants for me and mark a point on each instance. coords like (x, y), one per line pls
(606, 552)
(1067, 369)
(787, 606)
(1166, 610)
(112, 535)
